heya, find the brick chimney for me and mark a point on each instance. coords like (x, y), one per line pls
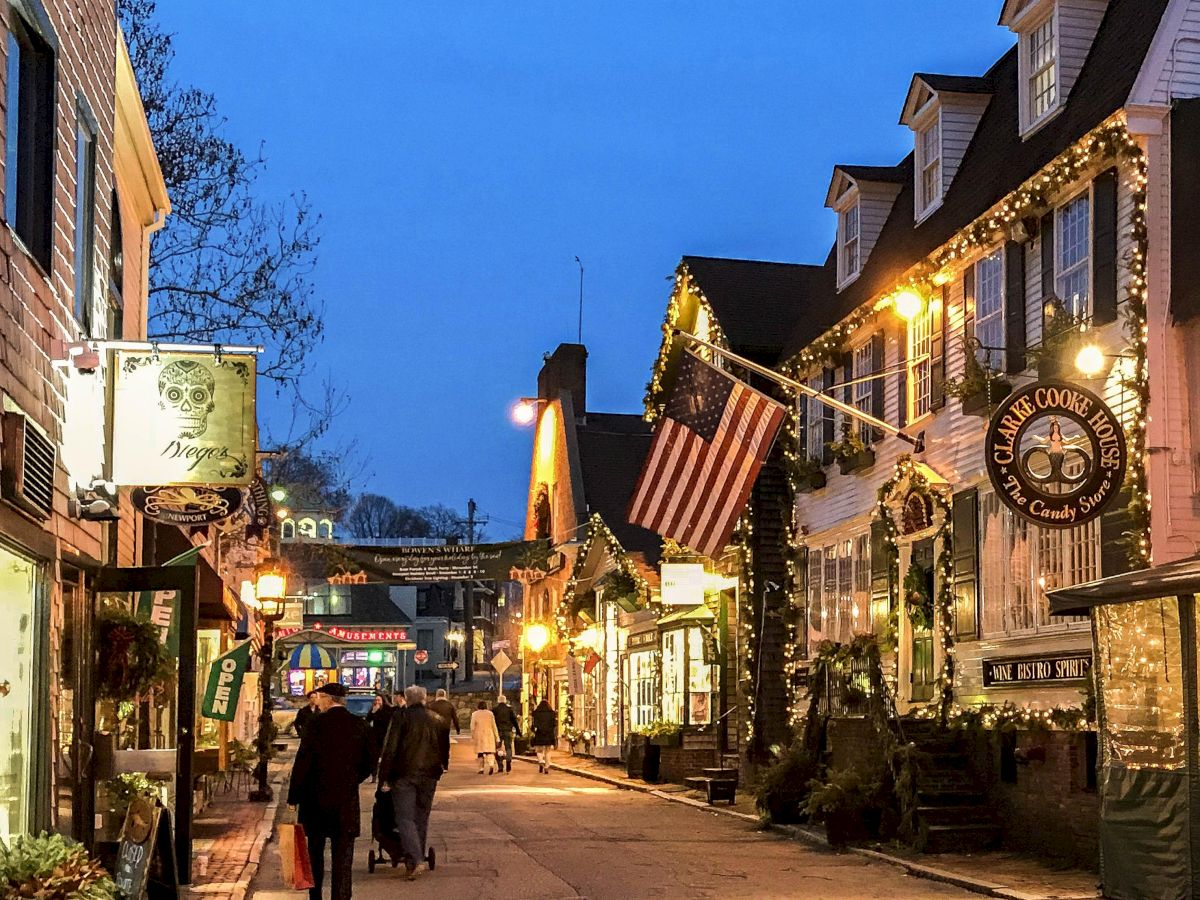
(565, 370)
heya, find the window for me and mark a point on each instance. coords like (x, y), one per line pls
(815, 617)
(1074, 256)
(116, 272)
(287, 530)
(929, 154)
(989, 310)
(672, 676)
(308, 528)
(920, 363)
(848, 231)
(331, 602)
(847, 615)
(641, 689)
(1043, 84)
(85, 218)
(30, 144)
(327, 529)
(862, 583)
(425, 639)
(863, 390)
(830, 592)
(817, 411)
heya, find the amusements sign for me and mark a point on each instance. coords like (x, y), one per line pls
(450, 562)
(1056, 454)
(183, 418)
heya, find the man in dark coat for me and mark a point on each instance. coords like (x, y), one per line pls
(335, 757)
(506, 726)
(443, 707)
(305, 714)
(416, 752)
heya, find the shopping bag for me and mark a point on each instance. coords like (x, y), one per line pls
(293, 857)
(500, 751)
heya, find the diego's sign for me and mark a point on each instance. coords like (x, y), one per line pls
(1056, 454)
(1073, 666)
(183, 418)
(187, 506)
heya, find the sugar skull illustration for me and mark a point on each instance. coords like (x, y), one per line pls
(186, 388)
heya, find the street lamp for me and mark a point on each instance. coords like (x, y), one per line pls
(537, 636)
(1090, 360)
(268, 593)
(524, 411)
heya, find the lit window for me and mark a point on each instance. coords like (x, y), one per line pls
(848, 230)
(929, 147)
(1043, 85)
(287, 530)
(817, 411)
(920, 362)
(1074, 256)
(847, 614)
(308, 528)
(815, 616)
(989, 310)
(863, 388)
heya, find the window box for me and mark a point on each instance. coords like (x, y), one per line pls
(982, 401)
(813, 481)
(862, 459)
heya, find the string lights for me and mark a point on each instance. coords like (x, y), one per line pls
(686, 309)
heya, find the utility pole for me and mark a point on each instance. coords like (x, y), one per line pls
(469, 599)
(578, 260)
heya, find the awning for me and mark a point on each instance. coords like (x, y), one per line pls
(311, 656)
(697, 614)
(1168, 580)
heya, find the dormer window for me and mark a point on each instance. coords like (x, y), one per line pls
(848, 240)
(929, 161)
(1042, 90)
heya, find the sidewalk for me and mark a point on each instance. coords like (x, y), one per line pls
(230, 834)
(995, 873)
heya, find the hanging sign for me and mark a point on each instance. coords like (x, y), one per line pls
(1056, 454)
(183, 418)
(187, 506)
(1071, 666)
(682, 584)
(574, 676)
(258, 510)
(448, 562)
(225, 683)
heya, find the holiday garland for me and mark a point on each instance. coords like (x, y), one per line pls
(131, 658)
(627, 574)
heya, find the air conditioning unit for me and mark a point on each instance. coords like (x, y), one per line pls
(26, 466)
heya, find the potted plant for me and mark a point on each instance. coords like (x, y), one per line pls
(121, 790)
(50, 865)
(1063, 333)
(979, 389)
(850, 452)
(622, 588)
(847, 804)
(644, 758)
(783, 788)
(665, 734)
(131, 656)
(807, 475)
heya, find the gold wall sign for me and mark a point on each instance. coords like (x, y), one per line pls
(183, 418)
(1056, 454)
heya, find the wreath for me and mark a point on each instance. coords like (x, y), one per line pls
(918, 599)
(132, 658)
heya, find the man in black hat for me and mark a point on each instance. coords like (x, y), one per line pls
(335, 757)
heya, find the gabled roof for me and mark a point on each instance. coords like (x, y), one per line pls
(612, 450)
(846, 177)
(998, 161)
(758, 304)
(924, 84)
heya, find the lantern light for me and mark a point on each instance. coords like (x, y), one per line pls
(282, 513)
(908, 304)
(270, 588)
(279, 494)
(1089, 360)
(537, 636)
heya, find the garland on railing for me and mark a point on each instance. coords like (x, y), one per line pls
(741, 540)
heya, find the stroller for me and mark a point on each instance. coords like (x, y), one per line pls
(384, 833)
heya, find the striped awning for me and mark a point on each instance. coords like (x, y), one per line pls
(311, 656)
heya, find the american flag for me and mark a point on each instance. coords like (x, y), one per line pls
(709, 445)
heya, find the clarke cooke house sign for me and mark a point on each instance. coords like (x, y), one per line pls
(183, 418)
(1056, 454)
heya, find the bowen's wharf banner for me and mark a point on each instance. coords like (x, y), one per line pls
(449, 562)
(183, 418)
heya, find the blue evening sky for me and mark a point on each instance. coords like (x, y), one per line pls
(463, 153)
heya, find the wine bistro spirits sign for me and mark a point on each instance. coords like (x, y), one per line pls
(1056, 454)
(183, 419)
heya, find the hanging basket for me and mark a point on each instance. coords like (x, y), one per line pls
(131, 658)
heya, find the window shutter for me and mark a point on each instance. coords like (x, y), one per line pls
(878, 383)
(939, 314)
(1014, 307)
(1104, 248)
(969, 302)
(800, 602)
(848, 392)
(881, 588)
(802, 426)
(1047, 233)
(902, 381)
(1114, 548)
(965, 520)
(828, 436)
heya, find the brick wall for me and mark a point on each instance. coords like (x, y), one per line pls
(678, 763)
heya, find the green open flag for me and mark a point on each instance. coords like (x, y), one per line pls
(225, 683)
(158, 607)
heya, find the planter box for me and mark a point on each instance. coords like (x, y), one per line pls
(982, 402)
(668, 740)
(644, 759)
(813, 482)
(862, 460)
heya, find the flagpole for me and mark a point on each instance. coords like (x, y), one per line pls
(854, 412)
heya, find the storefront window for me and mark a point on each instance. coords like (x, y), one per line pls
(208, 648)
(641, 688)
(700, 680)
(18, 587)
(673, 659)
(296, 682)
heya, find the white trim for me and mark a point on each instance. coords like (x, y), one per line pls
(1161, 49)
(1028, 23)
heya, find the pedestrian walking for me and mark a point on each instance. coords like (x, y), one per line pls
(507, 726)
(545, 734)
(305, 715)
(444, 708)
(485, 737)
(379, 718)
(416, 752)
(333, 759)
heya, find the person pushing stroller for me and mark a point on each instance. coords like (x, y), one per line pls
(416, 751)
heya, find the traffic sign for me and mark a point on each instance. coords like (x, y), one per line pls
(501, 645)
(448, 666)
(421, 657)
(500, 662)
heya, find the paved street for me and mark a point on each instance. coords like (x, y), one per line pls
(527, 835)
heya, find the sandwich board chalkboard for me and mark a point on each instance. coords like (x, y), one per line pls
(146, 856)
